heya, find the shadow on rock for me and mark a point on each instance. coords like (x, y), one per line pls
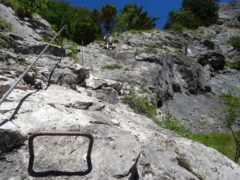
(17, 108)
(58, 173)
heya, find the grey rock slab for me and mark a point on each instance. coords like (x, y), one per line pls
(229, 11)
(226, 83)
(200, 113)
(108, 94)
(161, 64)
(30, 78)
(217, 61)
(119, 136)
(96, 83)
(18, 26)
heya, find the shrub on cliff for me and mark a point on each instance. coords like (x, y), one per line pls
(235, 42)
(194, 13)
(134, 18)
(4, 25)
(232, 120)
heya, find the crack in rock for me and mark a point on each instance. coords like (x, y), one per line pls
(132, 173)
(80, 105)
(185, 163)
(104, 123)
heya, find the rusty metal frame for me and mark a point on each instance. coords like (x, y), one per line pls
(37, 134)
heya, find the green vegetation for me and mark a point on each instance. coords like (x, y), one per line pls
(185, 163)
(224, 143)
(34, 69)
(232, 120)
(25, 8)
(140, 105)
(180, 20)
(112, 66)
(85, 26)
(4, 42)
(32, 6)
(22, 62)
(4, 25)
(47, 39)
(152, 49)
(99, 41)
(74, 51)
(172, 124)
(134, 18)
(234, 24)
(81, 24)
(235, 42)
(137, 52)
(194, 13)
(108, 15)
(234, 65)
(232, 102)
(141, 30)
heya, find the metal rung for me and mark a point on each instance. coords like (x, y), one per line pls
(37, 134)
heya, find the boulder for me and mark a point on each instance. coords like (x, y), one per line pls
(30, 78)
(216, 60)
(38, 84)
(95, 83)
(3, 89)
(66, 74)
(108, 95)
(10, 140)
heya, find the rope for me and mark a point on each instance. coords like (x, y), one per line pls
(29, 67)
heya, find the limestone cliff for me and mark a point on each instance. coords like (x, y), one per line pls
(181, 73)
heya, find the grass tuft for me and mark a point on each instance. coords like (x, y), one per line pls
(234, 65)
(235, 42)
(4, 25)
(140, 105)
(74, 51)
(224, 143)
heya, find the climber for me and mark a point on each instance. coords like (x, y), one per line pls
(108, 42)
(106, 39)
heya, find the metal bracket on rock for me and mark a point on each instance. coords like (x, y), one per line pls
(34, 135)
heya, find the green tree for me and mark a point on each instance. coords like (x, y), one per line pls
(235, 42)
(194, 13)
(33, 5)
(133, 17)
(84, 28)
(108, 15)
(96, 15)
(205, 10)
(178, 20)
(81, 24)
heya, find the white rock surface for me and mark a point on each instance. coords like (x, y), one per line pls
(119, 136)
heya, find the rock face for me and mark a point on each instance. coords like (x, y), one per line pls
(217, 61)
(119, 137)
(179, 73)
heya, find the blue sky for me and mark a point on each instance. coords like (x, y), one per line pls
(155, 8)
